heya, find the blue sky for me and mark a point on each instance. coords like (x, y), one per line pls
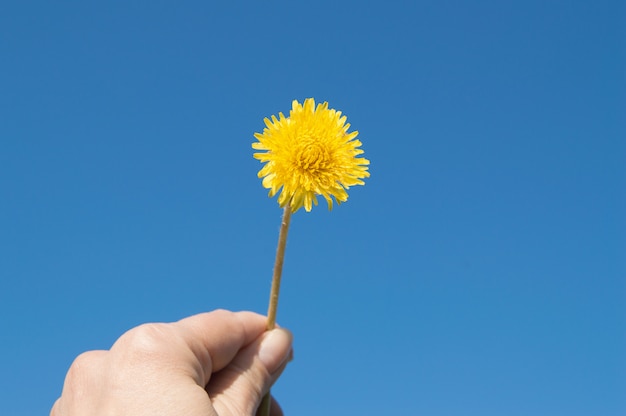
(480, 271)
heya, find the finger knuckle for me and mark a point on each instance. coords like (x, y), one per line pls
(144, 341)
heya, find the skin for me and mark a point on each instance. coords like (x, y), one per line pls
(216, 363)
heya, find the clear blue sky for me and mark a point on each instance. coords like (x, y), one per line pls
(481, 270)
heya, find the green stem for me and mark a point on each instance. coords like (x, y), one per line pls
(264, 408)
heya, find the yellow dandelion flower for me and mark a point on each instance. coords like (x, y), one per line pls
(309, 153)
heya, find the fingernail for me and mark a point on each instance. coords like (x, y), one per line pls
(275, 348)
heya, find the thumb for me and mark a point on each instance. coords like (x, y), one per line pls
(237, 389)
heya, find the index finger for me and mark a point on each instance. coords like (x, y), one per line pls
(216, 337)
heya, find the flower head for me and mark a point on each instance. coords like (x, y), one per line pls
(309, 153)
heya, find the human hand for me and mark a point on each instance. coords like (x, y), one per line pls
(216, 363)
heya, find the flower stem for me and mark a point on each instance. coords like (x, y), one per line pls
(264, 408)
(278, 268)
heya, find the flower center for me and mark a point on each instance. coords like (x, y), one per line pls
(312, 156)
